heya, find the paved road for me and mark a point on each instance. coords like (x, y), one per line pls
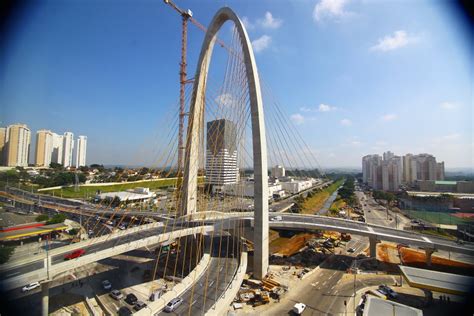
(200, 298)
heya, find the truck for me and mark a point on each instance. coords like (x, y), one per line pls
(345, 237)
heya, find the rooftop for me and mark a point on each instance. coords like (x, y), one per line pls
(376, 306)
(437, 281)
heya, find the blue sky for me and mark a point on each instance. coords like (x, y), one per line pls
(356, 77)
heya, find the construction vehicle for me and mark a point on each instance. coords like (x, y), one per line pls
(345, 237)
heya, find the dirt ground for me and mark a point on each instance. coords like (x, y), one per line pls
(417, 258)
(291, 246)
(388, 252)
(69, 300)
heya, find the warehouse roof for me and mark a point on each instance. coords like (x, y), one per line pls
(438, 281)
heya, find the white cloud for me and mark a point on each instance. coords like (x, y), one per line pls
(321, 108)
(391, 42)
(326, 108)
(225, 99)
(297, 118)
(450, 137)
(389, 117)
(330, 9)
(261, 43)
(247, 24)
(346, 122)
(448, 106)
(269, 22)
(381, 143)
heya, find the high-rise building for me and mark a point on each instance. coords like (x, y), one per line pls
(81, 151)
(382, 174)
(68, 148)
(278, 172)
(44, 148)
(440, 171)
(221, 153)
(389, 173)
(57, 150)
(18, 137)
(3, 136)
(421, 167)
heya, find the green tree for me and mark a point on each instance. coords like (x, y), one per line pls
(42, 218)
(58, 218)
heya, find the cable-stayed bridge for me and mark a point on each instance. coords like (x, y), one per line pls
(235, 130)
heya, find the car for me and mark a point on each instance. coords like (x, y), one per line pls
(116, 294)
(124, 311)
(122, 227)
(131, 299)
(277, 218)
(351, 250)
(386, 290)
(75, 254)
(173, 304)
(30, 287)
(298, 308)
(106, 285)
(139, 305)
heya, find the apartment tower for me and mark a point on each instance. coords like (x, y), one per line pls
(44, 148)
(81, 151)
(68, 148)
(18, 138)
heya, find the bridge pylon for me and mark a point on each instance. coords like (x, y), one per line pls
(195, 125)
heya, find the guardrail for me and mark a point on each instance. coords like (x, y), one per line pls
(220, 307)
(178, 289)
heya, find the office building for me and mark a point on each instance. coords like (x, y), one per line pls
(18, 138)
(221, 153)
(44, 148)
(57, 150)
(68, 148)
(3, 136)
(81, 149)
(278, 172)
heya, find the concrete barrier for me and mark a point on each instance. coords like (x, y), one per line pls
(178, 289)
(91, 306)
(222, 304)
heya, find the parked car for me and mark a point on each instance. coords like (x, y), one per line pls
(388, 291)
(106, 285)
(155, 295)
(75, 254)
(131, 299)
(139, 305)
(298, 308)
(30, 287)
(116, 294)
(351, 250)
(173, 304)
(124, 311)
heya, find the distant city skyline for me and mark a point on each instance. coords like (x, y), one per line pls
(350, 88)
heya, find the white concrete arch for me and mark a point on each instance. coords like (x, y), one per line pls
(196, 117)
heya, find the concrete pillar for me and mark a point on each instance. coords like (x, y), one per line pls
(373, 247)
(428, 253)
(195, 125)
(45, 298)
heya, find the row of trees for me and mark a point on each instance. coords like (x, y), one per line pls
(346, 192)
(382, 195)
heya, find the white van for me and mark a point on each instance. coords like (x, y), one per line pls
(299, 308)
